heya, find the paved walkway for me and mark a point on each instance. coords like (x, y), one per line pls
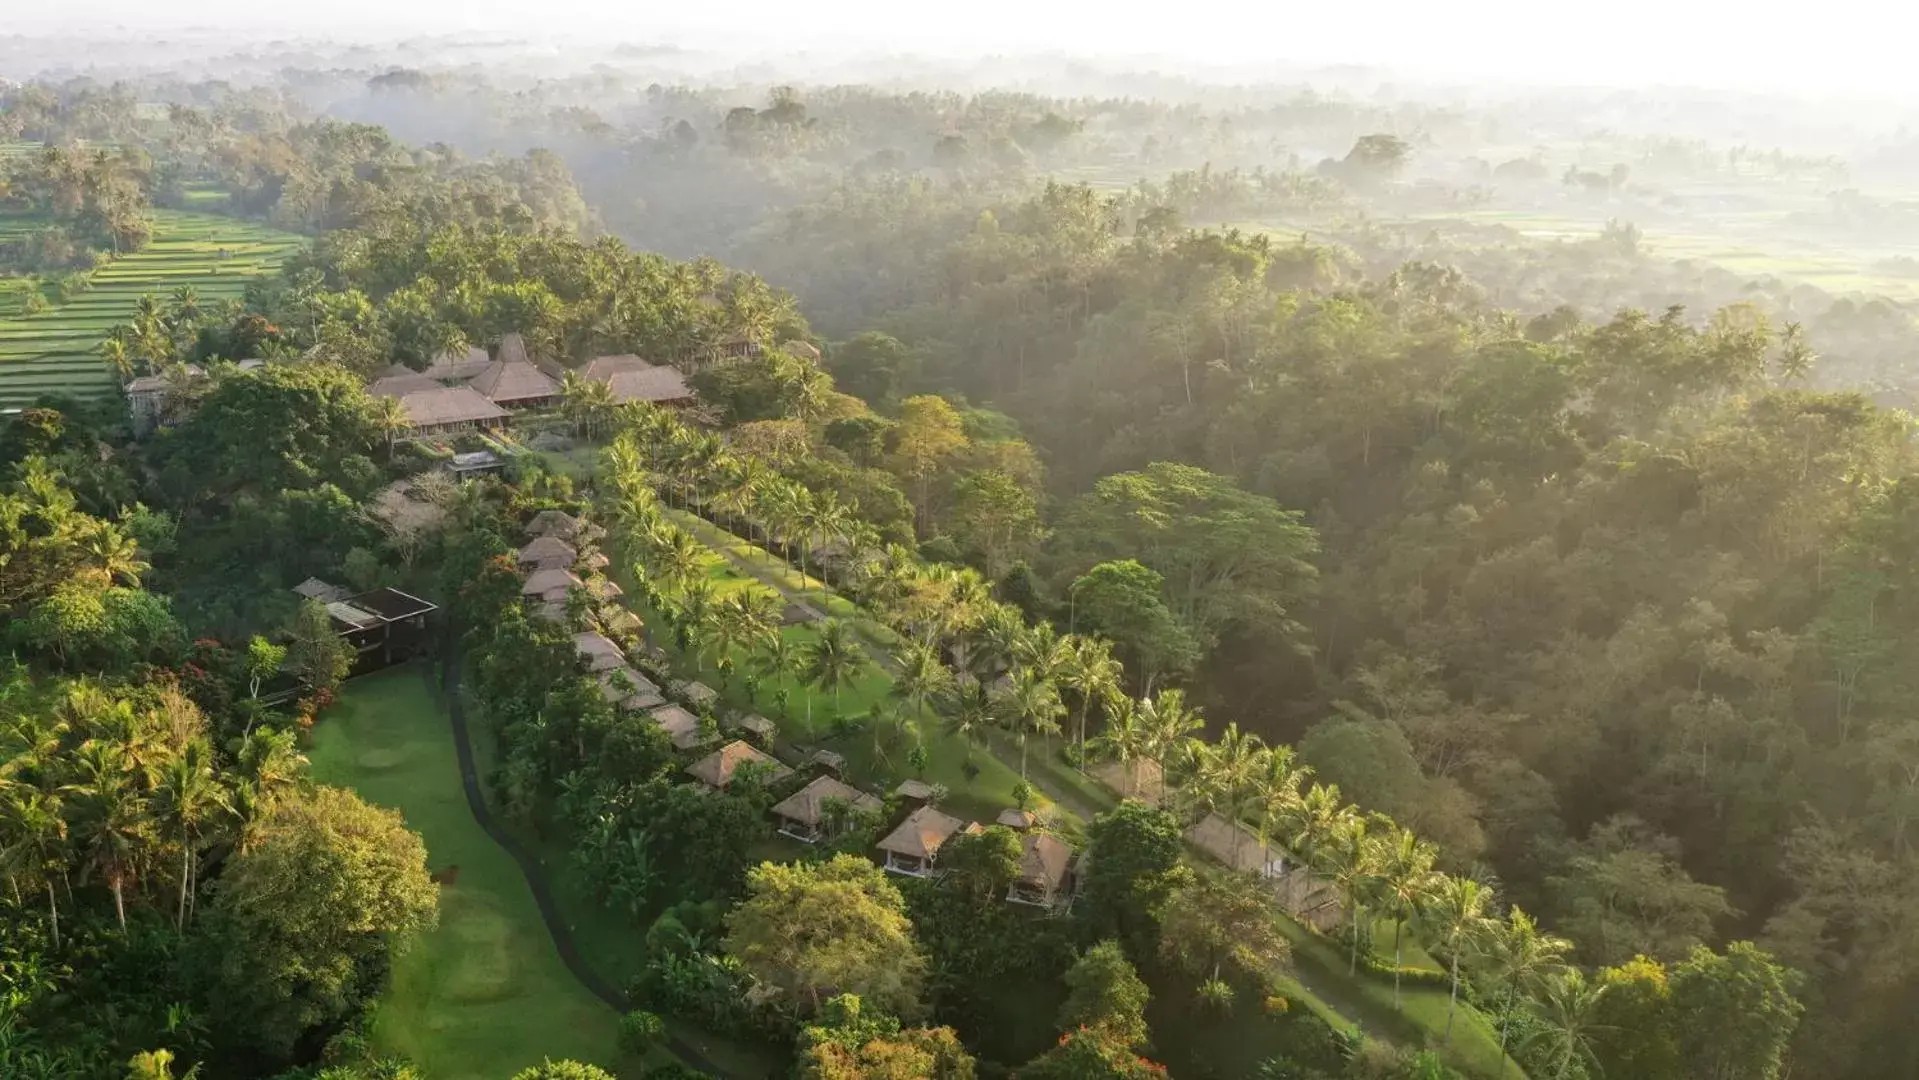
(536, 879)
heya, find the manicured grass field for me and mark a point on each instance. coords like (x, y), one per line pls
(55, 351)
(485, 994)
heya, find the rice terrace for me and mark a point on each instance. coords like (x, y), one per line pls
(56, 350)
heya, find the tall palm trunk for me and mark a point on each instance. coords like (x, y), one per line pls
(1352, 965)
(1399, 930)
(1452, 1006)
(53, 909)
(120, 901)
(186, 871)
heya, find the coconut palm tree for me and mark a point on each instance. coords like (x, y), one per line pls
(1346, 858)
(33, 841)
(1566, 1007)
(1168, 723)
(968, 710)
(1091, 673)
(270, 760)
(118, 356)
(678, 556)
(187, 798)
(1276, 790)
(1232, 766)
(1125, 739)
(918, 677)
(1519, 955)
(1455, 917)
(1404, 881)
(390, 417)
(830, 660)
(111, 814)
(777, 658)
(1029, 705)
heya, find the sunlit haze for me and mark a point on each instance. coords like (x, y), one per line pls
(1852, 46)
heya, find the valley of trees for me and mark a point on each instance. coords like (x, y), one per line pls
(1547, 598)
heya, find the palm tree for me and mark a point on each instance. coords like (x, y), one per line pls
(830, 661)
(1091, 672)
(271, 761)
(1229, 768)
(1125, 740)
(1455, 916)
(188, 797)
(113, 557)
(1565, 1005)
(33, 840)
(115, 352)
(390, 417)
(919, 676)
(1518, 953)
(1275, 789)
(1404, 882)
(1346, 859)
(968, 710)
(679, 557)
(1168, 723)
(777, 659)
(1028, 704)
(112, 816)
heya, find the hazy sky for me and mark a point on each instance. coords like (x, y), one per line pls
(1699, 42)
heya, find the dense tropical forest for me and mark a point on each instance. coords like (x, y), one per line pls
(1363, 639)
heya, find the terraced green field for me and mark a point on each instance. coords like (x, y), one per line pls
(54, 351)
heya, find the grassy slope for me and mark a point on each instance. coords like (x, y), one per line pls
(54, 351)
(484, 994)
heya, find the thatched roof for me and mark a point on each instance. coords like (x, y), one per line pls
(548, 552)
(513, 350)
(600, 652)
(802, 348)
(756, 725)
(557, 523)
(806, 805)
(628, 688)
(1141, 778)
(399, 386)
(541, 582)
(447, 405)
(552, 611)
(602, 368)
(508, 380)
(457, 367)
(1044, 860)
(1017, 819)
(923, 832)
(315, 589)
(696, 692)
(1233, 844)
(914, 789)
(633, 379)
(717, 768)
(682, 727)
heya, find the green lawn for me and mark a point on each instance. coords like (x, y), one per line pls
(54, 351)
(1420, 1020)
(1043, 764)
(808, 719)
(485, 994)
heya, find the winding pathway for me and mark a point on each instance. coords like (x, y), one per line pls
(536, 879)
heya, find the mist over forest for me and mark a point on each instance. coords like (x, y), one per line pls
(1497, 501)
